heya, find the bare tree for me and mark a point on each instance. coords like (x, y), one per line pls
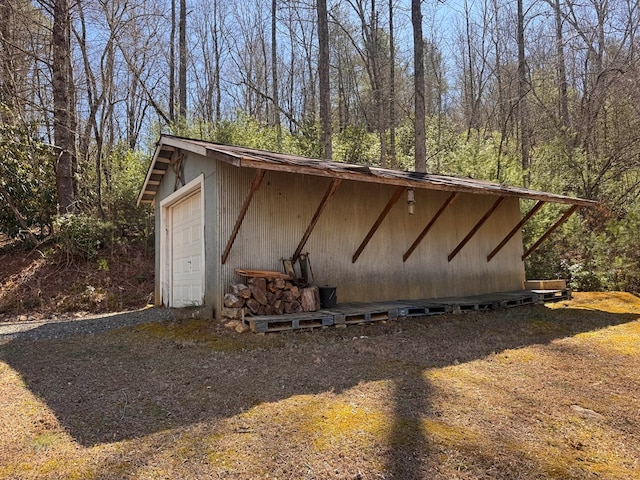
(392, 89)
(419, 88)
(172, 63)
(7, 68)
(182, 70)
(323, 75)
(523, 87)
(563, 98)
(274, 73)
(64, 119)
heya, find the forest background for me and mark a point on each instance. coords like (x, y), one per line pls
(542, 93)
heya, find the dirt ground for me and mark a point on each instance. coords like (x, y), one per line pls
(44, 283)
(542, 392)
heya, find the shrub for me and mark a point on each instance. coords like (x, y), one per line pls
(82, 235)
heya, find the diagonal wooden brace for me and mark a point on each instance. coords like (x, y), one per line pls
(255, 185)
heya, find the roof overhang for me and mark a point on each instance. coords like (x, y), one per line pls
(269, 161)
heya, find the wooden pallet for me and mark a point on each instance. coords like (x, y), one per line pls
(549, 296)
(471, 304)
(516, 299)
(354, 313)
(423, 308)
(293, 321)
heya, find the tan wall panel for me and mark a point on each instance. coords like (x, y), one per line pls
(284, 206)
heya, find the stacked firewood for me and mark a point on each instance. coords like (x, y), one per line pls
(267, 296)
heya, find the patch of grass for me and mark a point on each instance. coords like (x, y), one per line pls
(190, 332)
(621, 339)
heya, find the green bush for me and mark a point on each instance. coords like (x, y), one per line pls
(82, 235)
(27, 178)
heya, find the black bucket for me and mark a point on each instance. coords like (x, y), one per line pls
(328, 297)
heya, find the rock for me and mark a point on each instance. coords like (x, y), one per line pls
(242, 327)
(586, 412)
(233, 301)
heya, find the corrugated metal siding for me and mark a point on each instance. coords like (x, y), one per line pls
(284, 205)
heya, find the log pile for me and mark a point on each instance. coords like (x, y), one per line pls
(266, 296)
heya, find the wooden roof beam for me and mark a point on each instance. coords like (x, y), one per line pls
(426, 229)
(255, 185)
(563, 219)
(335, 183)
(476, 227)
(517, 228)
(392, 201)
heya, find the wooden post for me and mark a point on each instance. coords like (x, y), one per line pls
(426, 229)
(392, 201)
(515, 229)
(476, 227)
(563, 219)
(255, 185)
(323, 203)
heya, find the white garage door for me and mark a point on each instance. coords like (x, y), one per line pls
(186, 252)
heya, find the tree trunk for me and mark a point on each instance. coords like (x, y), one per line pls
(63, 107)
(274, 75)
(216, 72)
(7, 79)
(418, 67)
(392, 90)
(563, 99)
(323, 75)
(182, 74)
(522, 100)
(172, 63)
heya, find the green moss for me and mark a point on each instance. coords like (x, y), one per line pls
(547, 327)
(200, 332)
(45, 441)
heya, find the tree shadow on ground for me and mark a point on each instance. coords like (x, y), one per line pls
(132, 382)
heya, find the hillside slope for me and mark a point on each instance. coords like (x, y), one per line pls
(44, 282)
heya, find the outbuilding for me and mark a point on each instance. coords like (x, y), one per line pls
(375, 234)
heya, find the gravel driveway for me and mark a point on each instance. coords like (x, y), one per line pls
(80, 325)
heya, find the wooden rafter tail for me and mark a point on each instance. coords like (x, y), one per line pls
(335, 183)
(476, 227)
(392, 201)
(553, 227)
(515, 229)
(255, 185)
(426, 229)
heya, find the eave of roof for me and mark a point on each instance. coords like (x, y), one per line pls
(257, 159)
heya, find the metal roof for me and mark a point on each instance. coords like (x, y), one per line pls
(264, 160)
